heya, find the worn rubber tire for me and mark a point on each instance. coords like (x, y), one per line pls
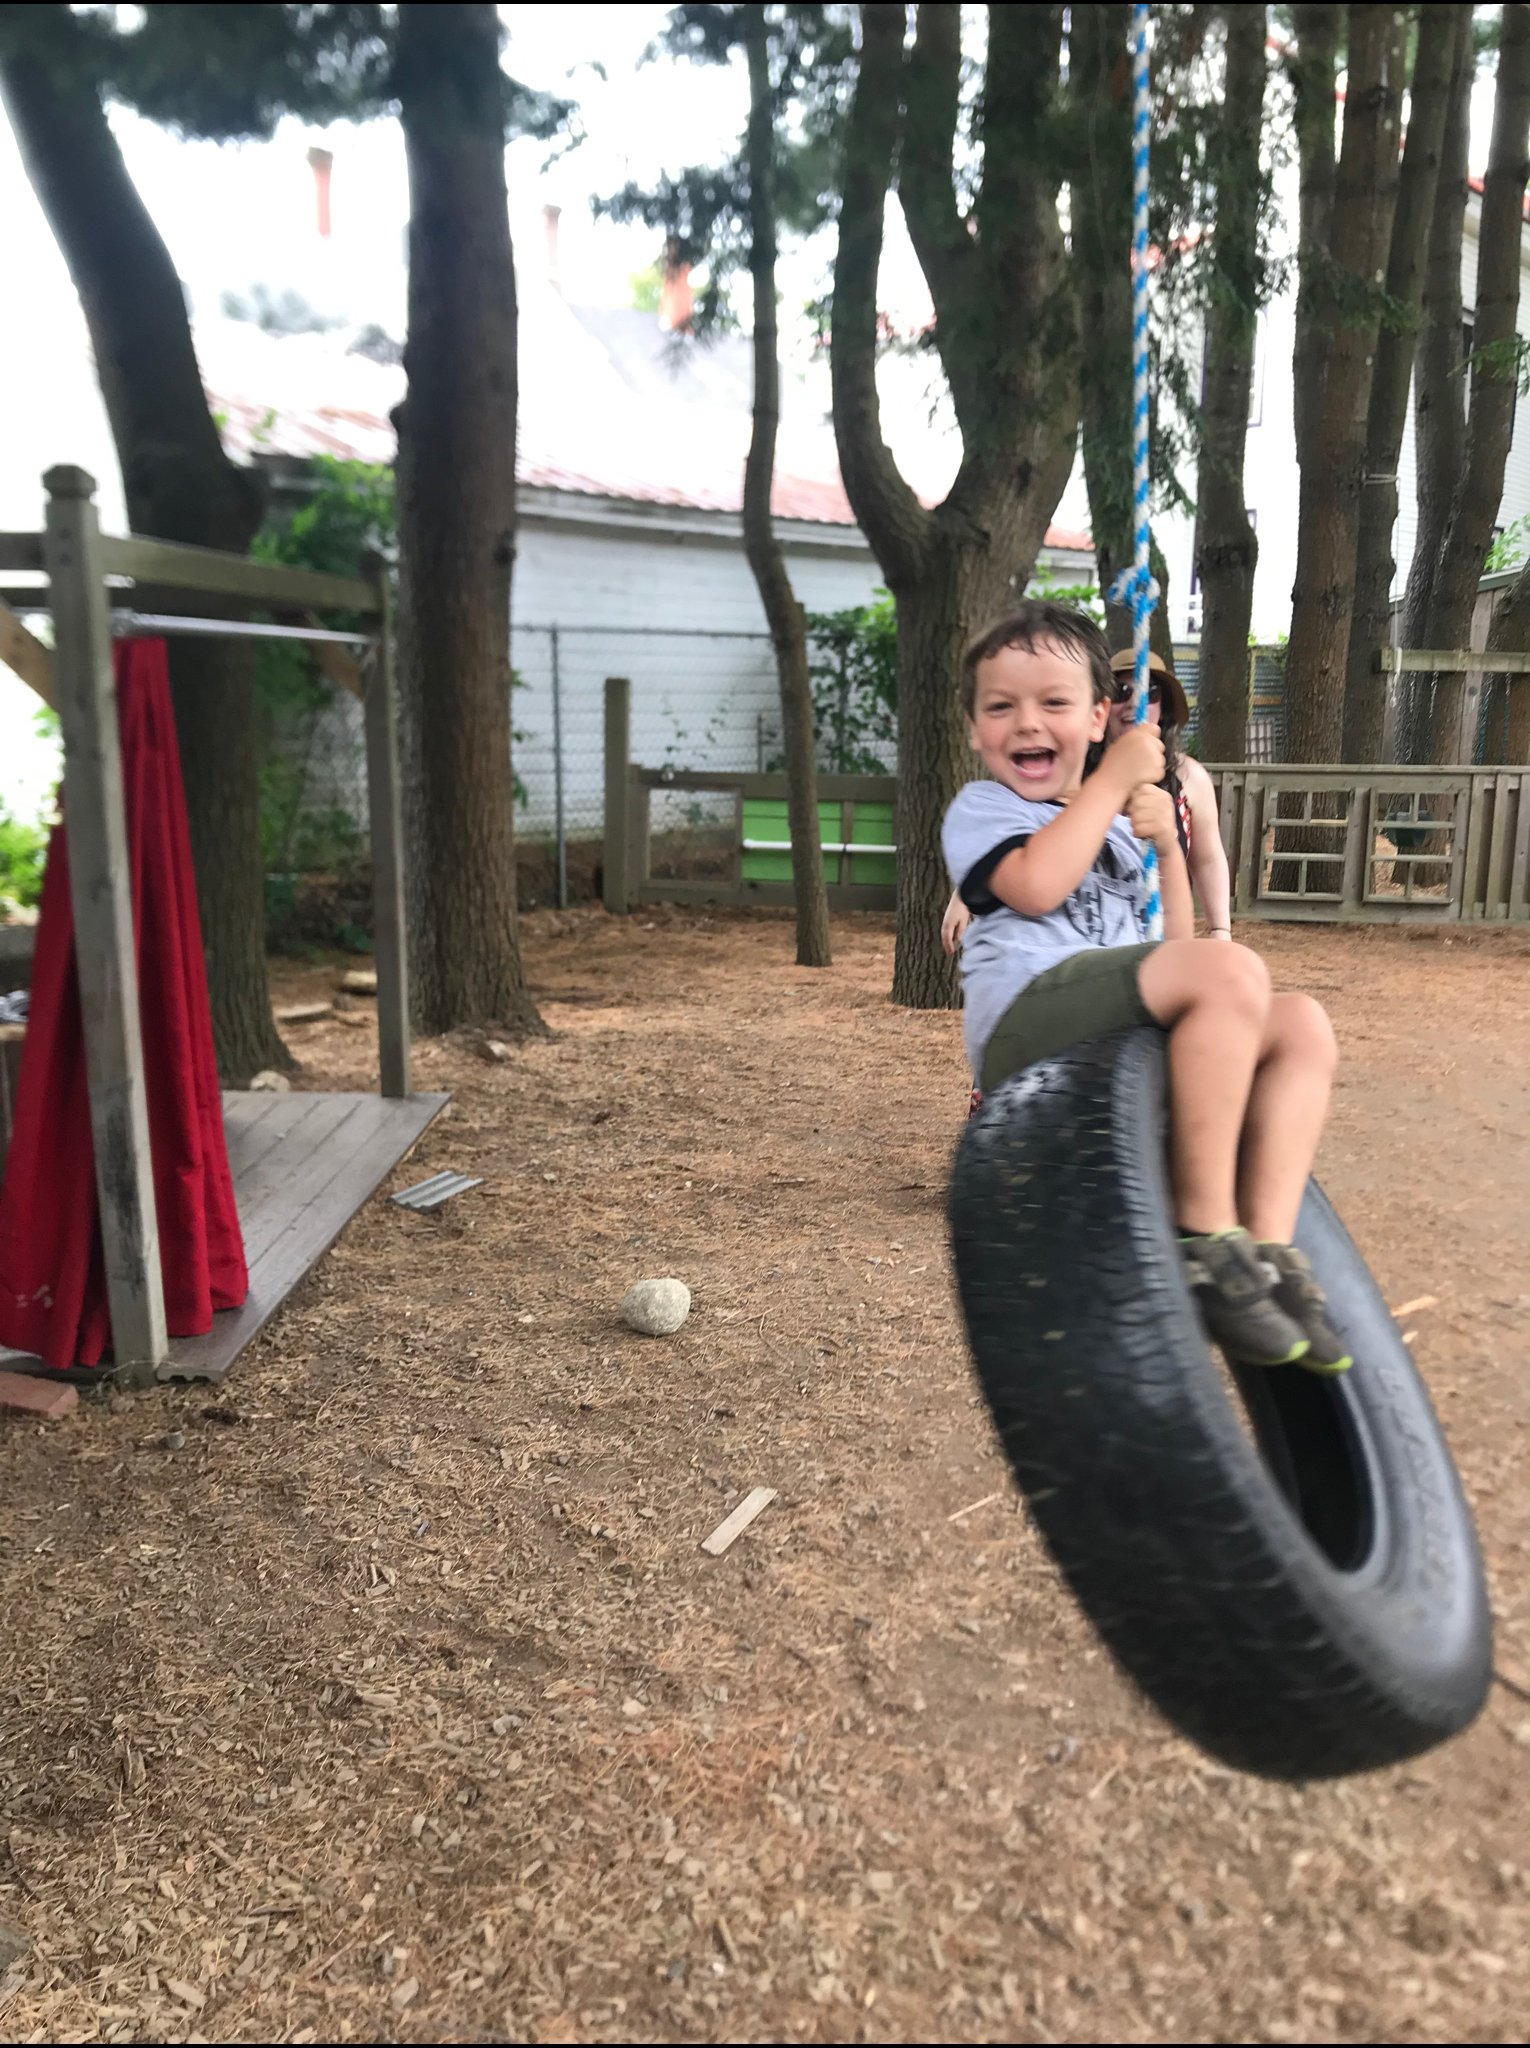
(1302, 1608)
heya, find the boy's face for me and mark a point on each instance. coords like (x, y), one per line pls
(1034, 718)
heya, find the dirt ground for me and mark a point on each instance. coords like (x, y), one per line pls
(399, 1703)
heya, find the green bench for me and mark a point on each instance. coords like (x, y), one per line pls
(857, 841)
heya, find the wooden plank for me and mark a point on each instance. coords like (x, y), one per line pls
(295, 1251)
(728, 1531)
(846, 834)
(1251, 847)
(255, 1136)
(103, 923)
(265, 1195)
(21, 551)
(1358, 841)
(1519, 872)
(1495, 883)
(273, 583)
(385, 819)
(25, 655)
(1450, 661)
(1466, 874)
(618, 824)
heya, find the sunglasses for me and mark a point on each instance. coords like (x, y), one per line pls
(1125, 689)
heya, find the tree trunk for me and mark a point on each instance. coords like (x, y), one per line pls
(1495, 367)
(1336, 350)
(1439, 398)
(1312, 80)
(1228, 550)
(456, 524)
(1006, 331)
(179, 486)
(766, 559)
(1444, 36)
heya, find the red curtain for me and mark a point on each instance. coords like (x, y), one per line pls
(52, 1279)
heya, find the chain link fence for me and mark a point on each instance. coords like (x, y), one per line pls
(701, 700)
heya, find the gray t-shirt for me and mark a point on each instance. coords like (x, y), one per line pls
(1003, 952)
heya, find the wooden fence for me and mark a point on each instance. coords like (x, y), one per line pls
(1371, 844)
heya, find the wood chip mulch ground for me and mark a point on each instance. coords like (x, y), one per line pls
(386, 1694)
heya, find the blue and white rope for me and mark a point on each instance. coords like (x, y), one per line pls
(1135, 586)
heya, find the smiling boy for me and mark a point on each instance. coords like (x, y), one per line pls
(1046, 856)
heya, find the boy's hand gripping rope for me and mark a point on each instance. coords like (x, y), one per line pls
(1135, 586)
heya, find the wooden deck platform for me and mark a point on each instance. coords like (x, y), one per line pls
(303, 1165)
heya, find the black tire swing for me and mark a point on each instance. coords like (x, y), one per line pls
(1303, 1597)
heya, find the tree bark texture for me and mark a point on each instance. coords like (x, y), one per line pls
(1444, 42)
(1495, 369)
(1006, 332)
(456, 525)
(766, 559)
(1439, 398)
(1228, 548)
(1340, 295)
(1312, 80)
(179, 486)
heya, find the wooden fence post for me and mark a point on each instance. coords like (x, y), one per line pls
(386, 829)
(618, 823)
(105, 956)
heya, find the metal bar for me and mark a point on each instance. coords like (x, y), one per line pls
(184, 568)
(124, 623)
(105, 954)
(385, 823)
(825, 846)
(557, 701)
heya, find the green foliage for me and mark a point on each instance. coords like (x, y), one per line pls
(230, 71)
(702, 212)
(646, 286)
(1083, 597)
(853, 670)
(1509, 547)
(349, 515)
(23, 850)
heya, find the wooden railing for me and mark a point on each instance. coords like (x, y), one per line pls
(1372, 844)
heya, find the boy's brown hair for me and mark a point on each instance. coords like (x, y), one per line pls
(1033, 623)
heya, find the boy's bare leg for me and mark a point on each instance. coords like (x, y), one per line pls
(1214, 1001)
(1286, 1109)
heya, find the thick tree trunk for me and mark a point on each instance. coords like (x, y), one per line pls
(1439, 398)
(1312, 80)
(766, 558)
(179, 486)
(1495, 367)
(456, 524)
(1006, 331)
(1337, 351)
(1444, 38)
(1228, 550)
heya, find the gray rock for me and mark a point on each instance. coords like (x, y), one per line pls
(270, 1083)
(656, 1308)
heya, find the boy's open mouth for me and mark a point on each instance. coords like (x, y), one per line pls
(1034, 764)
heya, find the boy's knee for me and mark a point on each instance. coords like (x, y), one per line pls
(1304, 1024)
(1237, 977)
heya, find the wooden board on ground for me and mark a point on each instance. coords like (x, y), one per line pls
(303, 1165)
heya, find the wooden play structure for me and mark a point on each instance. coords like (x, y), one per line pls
(303, 1164)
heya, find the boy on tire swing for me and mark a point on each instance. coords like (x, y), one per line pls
(1051, 870)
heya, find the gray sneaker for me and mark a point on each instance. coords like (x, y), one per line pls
(1234, 1289)
(1298, 1293)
